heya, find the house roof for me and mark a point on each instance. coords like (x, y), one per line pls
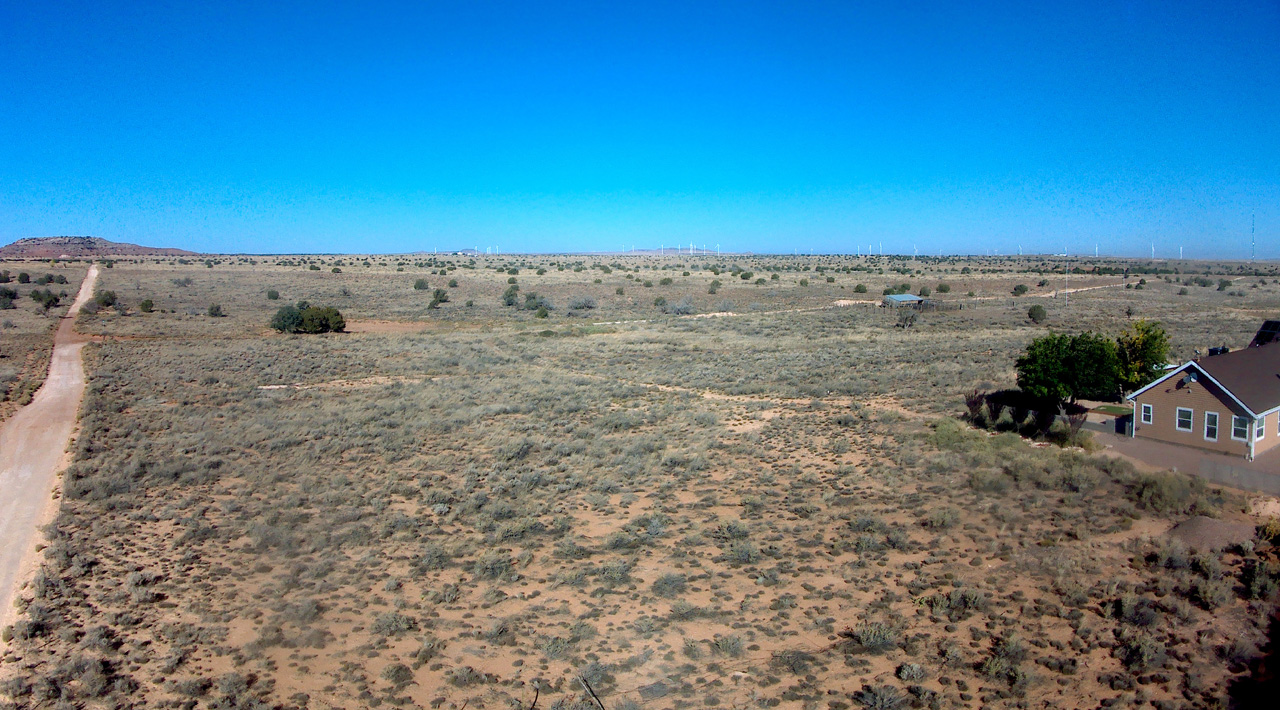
(904, 297)
(1250, 376)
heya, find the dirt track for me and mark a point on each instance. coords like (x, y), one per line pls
(32, 446)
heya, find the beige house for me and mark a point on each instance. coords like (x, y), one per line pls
(1228, 403)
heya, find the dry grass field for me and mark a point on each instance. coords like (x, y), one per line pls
(758, 497)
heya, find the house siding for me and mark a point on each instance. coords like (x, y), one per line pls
(1200, 397)
(1272, 437)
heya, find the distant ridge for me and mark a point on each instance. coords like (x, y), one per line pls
(80, 248)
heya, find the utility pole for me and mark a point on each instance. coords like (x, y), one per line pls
(1253, 237)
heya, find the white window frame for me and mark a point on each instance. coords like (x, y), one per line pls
(1216, 422)
(1177, 419)
(1148, 413)
(1235, 419)
(1260, 428)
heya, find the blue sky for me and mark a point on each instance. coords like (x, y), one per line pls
(319, 126)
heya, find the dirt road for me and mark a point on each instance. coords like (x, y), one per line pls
(32, 446)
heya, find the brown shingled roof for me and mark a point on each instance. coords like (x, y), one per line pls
(1251, 374)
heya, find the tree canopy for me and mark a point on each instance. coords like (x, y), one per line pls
(1143, 348)
(1070, 367)
(306, 318)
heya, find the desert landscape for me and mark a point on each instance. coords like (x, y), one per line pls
(620, 481)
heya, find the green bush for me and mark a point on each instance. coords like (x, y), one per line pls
(305, 318)
(1037, 314)
(273, 295)
(1165, 492)
(420, 285)
(147, 305)
(1020, 289)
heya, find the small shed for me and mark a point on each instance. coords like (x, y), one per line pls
(898, 300)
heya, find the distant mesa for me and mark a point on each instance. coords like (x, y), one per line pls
(80, 248)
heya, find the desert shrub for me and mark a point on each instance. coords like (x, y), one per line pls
(880, 697)
(941, 518)
(911, 672)
(306, 318)
(1135, 610)
(683, 307)
(273, 295)
(1258, 580)
(147, 305)
(437, 297)
(582, 303)
(433, 557)
(731, 645)
(46, 298)
(958, 604)
(1020, 289)
(215, 311)
(1209, 593)
(397, 674)
(1166, 492)
(988, 481)
(669, 585)
(464, 676)
(105, 299)
(421, 285)
(392, 623)
(492, 565)
(796, 661)
(555, 647)
(614, 573)
(743, 552)
(1037, 313)
(944, 288)
(1140, 652)
(873, 637)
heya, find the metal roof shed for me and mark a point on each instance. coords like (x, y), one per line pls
(902, 299)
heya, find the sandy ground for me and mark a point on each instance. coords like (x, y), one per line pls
(33, 444)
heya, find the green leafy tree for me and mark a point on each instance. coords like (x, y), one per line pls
(1067, 368)
(1143, 348)
(287, 320)
(306, 318)
(1037, 313)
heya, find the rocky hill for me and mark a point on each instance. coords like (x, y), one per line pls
(80, 248)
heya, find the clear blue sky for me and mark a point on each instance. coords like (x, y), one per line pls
(318, 126)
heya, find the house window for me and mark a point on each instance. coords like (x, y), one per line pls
(1260, 429)
(1239, 428)
(1147, 414)
(1211, 426)
(1184, 419)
